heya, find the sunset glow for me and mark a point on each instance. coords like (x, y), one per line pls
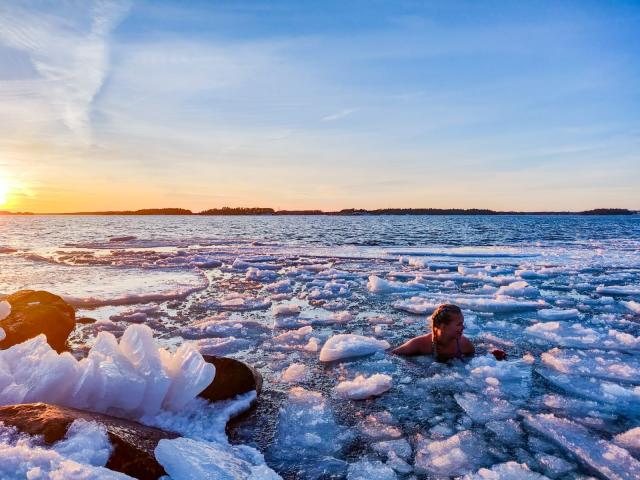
(507, 106)
(4, 191)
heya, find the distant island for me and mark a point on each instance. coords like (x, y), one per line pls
(236, 211)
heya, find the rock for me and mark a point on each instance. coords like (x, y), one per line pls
(86, 320)
(133, 443)
(36, 312)
(232, 378)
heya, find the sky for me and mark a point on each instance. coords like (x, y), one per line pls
(528, 105)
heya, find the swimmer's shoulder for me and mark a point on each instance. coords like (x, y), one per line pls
(466, 346)
(420, 345)
(425, 342)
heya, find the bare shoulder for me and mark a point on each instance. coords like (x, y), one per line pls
(466, 346)
(425, 342)
(420, 345)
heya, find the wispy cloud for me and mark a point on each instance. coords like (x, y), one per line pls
(338, 115)
(69, 52)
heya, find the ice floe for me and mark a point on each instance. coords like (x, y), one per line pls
(518, 289)
(343, 346)
(507, 431)
(307, 431)
(606, 458)
(630, 440)
(483, 409)
(507, 379)
(367, 469)
(223, 325)
(380, 285)
(499, 304)
(238, 302)
(223, 345)
(456, 455)
(618, 290)
(286, 309)
(558, 314)
(416, 305)
(188, 459)
(578, 336)
(632, 306)
(531, 274)
(363, 387)
(295, 373)
(400, 448)
(506, 471)
(257, 264)
(594, 363)
(300, 339)
(258, 275)
(621, 398)
(281, 286)
(380, 426)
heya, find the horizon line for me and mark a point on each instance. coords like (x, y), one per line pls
(268, 211)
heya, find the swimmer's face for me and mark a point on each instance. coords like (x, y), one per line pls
(454, 327)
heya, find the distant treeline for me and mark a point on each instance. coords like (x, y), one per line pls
(345, 212)
(239, 211)
(5, 212)
(144, 211)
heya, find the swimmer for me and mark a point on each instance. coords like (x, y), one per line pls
(446, 340)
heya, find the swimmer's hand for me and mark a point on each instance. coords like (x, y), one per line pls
(499, 354)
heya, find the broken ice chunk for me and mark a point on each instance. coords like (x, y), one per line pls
(360, 387)
(606, 458)
(350, 345)
(459, 454)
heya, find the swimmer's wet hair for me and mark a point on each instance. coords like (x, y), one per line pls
(440, 317)
(443, 314)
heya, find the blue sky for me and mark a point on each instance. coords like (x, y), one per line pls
(504, 105)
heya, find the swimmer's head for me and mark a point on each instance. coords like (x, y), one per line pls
(447, 322)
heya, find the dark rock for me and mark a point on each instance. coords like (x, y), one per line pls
(133, 443)
(36, 312)
(86, 320)
(232, 378)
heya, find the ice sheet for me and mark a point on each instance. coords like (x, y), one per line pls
(594, 363)
(187, 459)
(578, 336)
(604, 457)
(307, 431)
(457, 455)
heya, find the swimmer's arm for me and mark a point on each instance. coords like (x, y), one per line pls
(415, 346)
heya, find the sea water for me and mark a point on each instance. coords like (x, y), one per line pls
(315, 302)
